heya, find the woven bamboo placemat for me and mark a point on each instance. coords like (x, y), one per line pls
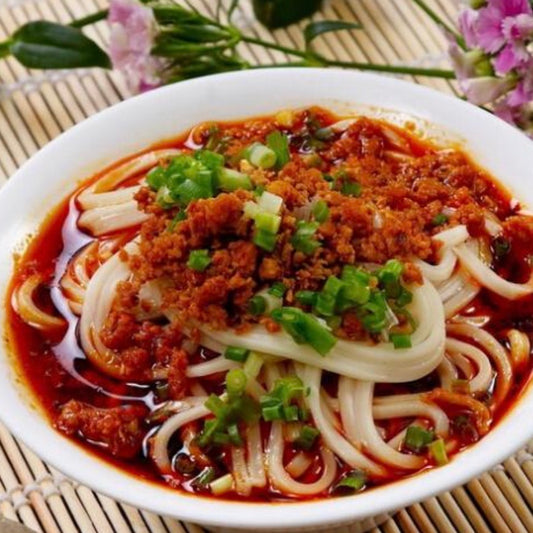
(36, 107)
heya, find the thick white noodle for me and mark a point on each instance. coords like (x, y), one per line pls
(28, 310)
(243, 484)
(103, 220)
(282, 480)
(256, 459)
(520, 347)
(404, 405)
(355, 399)
(165, 432)
(447, 260)
(483, 376)
(299, 464)
(360, 360)
(484, 275)
(494, 350)
(447, 373)
(331, 437)
(218, 364)
(106, 209)
(465, 365)
(101, 192)
(466, 289)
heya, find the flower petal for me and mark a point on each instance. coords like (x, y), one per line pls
(467, 26)
(508, 59)
(485, 89)
(489, 29)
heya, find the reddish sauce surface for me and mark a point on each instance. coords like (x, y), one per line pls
(56, 369)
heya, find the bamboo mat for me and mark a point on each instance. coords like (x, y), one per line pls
(36, 107)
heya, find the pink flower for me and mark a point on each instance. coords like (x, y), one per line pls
(493, 20)
(467, 26)
(133, 30)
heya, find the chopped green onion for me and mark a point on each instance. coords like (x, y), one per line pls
(210, 159)
(231, 180)
(352, 274)
(253, 365)
(307, 437)
(351, 188)
(267, 221)
(234, 435)
(259, 190)
(321, 211)
(327, 298)
(437, 450)
(236, 380)
(199, 260)
(221, 485)
(277, 404)
(306, 297)
(291, 413)
(271, 203)
(305, 328)
(391, 271)
(164, 197)
(234, 353)
(265, 240)
(324, 133)
(272, 301)
(180, 215)
(272, 412)
(501, 247)
(204, 478)
(354, 480)
(417, 438)
(260, 155)
(156, 178)
(251, 209)
(278, 289)
(279, 143)
(257, 305)
(439, 220)
(373, 314)
(215, 405)
(303, 239)
(405, 297)
(400, 340)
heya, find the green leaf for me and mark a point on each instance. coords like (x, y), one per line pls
(47, 45)
(314, 29)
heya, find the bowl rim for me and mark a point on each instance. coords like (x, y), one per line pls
(68, 457)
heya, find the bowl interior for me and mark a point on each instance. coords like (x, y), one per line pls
(132, 125)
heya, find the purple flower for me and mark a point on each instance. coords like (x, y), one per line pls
(133, 30)
(495, 20)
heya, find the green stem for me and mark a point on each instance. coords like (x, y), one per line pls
(5, 48)
(89, 19)
(317, 60)
(438, 20)
(393, 69)
(274, 46)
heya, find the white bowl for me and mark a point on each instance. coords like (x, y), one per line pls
(114, 133)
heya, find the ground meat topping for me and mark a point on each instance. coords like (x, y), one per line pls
(119, 430)
(384, 191)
